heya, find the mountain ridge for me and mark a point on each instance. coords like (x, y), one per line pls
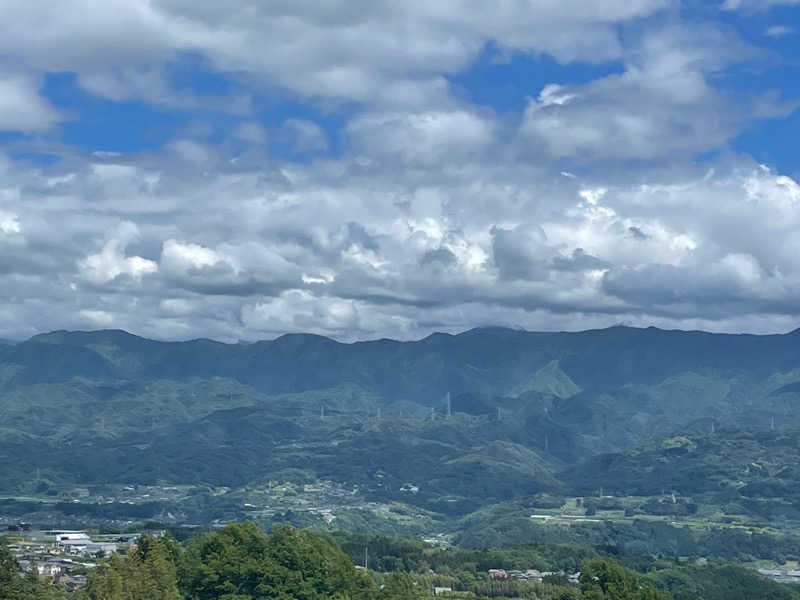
(503, 408)
(493, 360)
(493, 329)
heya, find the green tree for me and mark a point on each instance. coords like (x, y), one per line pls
(11, 584)
(241, 562)
(399, 586)
(146, 573)
(606, 579)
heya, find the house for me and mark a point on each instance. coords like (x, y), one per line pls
(49, 569)
(498, 574)
(441, 590)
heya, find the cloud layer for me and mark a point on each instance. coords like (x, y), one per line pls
(610, 199)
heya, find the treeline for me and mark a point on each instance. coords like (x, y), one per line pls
(387, 553)
(465, 569)
(512, 525)
(241, 562)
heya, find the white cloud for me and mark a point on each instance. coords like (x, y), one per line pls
(432, 213)
(353, 51)
(427, 137)
(661, 105)
(755, 5)
(193, 152)
(182, 256)
(779, 31)
(151, 83)
(9, 224)
(111, 262)
(399, 249)
(21, 106)
(593, 196)
(301, 311)
(97, 318)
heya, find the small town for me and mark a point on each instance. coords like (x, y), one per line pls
(65, 556)
(782, 575)
(532, 575)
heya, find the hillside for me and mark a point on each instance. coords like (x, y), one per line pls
(754, 472)
(494, 361)
(562, 413)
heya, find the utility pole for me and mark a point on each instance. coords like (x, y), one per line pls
(772, 423)
(366, 558)
(322, 412)
(546, 443)
(447, 405)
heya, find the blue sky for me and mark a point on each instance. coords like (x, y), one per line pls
(362, 169)
(497, 78)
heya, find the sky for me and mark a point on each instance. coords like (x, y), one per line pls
(364, 169)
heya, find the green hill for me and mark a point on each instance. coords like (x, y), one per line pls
(751, 472)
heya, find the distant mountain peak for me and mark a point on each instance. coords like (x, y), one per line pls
(63, 336)
(492, 330)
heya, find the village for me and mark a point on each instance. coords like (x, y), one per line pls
(532, 575)
(66, 556)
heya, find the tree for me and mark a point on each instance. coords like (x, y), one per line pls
(146, 573)
(11, 583)
(606, 579)
(241, 562)
(399, 586)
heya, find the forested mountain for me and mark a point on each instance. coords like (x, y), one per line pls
(447, 424)
(489, 360)
(754, 471)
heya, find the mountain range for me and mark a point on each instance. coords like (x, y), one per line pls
(484, 416)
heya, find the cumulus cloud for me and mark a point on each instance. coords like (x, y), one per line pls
(183, 256)
(662, 103)
(301, 311)
(351, 51)
(428, 137)
(419, 210)
(9, 224)
(401, 250)
(111, 261)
